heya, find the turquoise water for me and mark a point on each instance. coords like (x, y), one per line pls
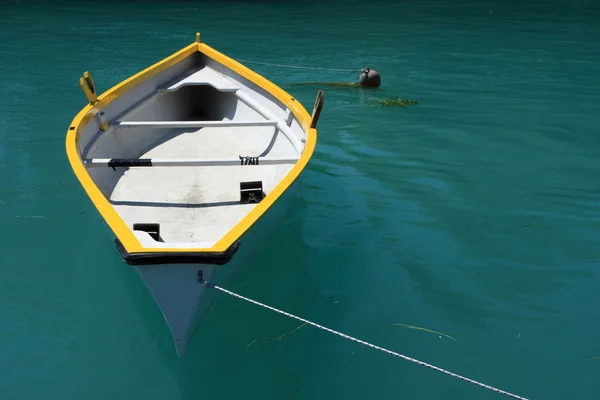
(475, 213)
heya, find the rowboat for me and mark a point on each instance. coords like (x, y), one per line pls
(185, 162)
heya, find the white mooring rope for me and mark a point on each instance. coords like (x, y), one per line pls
(483, 385)
(300, 67)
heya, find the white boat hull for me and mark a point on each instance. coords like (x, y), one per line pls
(180, 296)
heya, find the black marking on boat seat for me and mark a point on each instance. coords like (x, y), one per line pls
(251, 192)
(247, 160)
(151, 228)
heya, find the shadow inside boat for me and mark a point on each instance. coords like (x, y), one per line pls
(172, 205)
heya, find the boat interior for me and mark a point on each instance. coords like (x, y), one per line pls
(186, 154)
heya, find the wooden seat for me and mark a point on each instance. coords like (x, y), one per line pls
(177, 162)
(193, 124)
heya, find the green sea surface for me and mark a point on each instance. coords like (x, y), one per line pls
(474, 213)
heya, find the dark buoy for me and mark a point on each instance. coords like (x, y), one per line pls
(369, 77)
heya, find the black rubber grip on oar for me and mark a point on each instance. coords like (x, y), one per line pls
(119, 162)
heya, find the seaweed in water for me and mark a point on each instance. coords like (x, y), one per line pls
(396, 102)
(277, 337)
(337, 84)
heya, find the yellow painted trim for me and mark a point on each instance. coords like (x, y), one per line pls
(112, 218)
